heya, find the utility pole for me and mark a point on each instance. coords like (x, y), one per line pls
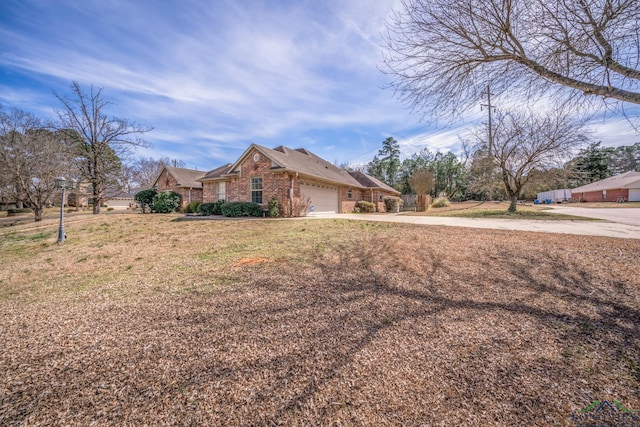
(490, 142)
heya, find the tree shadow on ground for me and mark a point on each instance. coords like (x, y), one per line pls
(369, 333)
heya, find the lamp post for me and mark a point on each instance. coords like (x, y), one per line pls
(62, 184)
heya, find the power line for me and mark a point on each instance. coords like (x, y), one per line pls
(490, 141)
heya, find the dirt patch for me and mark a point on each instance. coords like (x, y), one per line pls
(250, 261)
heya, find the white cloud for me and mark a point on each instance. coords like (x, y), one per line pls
(215, 76)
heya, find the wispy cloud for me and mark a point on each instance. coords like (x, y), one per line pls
(212, 77)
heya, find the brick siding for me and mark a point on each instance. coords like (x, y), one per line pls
(357, 194)
(277, 184)
(209, 192)
(167, 182)
(274, 184)
(596, 196)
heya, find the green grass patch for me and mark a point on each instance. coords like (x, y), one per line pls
(518, 214)
(497, 210)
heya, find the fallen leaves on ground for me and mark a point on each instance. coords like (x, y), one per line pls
(359, 325)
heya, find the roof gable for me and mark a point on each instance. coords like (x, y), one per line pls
(372, 182)
(187, 178)
(301, 161)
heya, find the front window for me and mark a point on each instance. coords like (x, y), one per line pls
(349, 194)
(256, 190)
(221, 191)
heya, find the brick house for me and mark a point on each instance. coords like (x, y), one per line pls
(182, 181)
(623, 187)
(301, 182)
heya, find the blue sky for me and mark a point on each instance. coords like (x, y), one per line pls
(214, 76)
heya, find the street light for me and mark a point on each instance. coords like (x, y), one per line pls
(62, 184)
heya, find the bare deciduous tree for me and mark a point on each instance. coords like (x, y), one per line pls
(147, 169)
(421, 182)
(31, 158)
(443, 53)
(525, 141)
(100, 140)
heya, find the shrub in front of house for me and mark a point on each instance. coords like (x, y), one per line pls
(393, 204)
(236, 209)
(440, 202)
(274, 207)
(205, 209)
(145, 199)
(192, 207)
(166, 202)
(362, 206)
(217, 207)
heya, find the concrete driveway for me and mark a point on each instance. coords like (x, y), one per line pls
(620, 215)
(584, 228)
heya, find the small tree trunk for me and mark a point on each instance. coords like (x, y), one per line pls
(514, 202)
(37, 212)
(97, 201)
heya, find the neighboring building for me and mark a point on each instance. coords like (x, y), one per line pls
(623, 187)
(119, 200)
(301, 182)
(182, 181)
(81, 197)
(555, 196)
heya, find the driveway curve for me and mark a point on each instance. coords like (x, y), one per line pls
(585, 228)
(629, 216)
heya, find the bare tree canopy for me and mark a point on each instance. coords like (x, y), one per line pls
(422, 181)
(443, 53)
(525, 141)
(100, 140)
(141, 172)
(31, 158)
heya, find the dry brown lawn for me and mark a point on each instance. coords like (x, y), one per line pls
(150, 320)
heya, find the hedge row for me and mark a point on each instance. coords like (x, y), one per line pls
(207, 209)
(236, 209)
(231, 209)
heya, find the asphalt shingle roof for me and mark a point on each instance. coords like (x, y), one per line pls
(307, 163)
(371, 182)
(304, 162)
(187, 178)
(216, 173)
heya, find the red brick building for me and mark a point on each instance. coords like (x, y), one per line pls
(624, 187)
(182, 181)
(301, 182)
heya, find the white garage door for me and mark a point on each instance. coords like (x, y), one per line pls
(323, 197)
(634, 194)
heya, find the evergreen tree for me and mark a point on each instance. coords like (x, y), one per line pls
(386, 164)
